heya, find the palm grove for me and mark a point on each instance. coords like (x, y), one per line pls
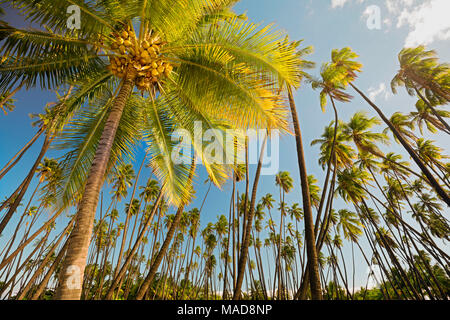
(134, 72)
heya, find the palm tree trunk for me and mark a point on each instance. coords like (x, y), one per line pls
(314, 277)
(125, 229)
(20, 154)
(27, 182)
(42, 266)
(73, 267)
(151, 274)
(439, 190)
(137, 243)
(26, 242)
(246, 237)
(50, 271)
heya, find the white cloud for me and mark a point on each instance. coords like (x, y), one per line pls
(341, 3)
(338, 3)
(427, 23)
(396, 6)
(380, 91)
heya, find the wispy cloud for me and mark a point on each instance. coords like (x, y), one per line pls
(381, 91)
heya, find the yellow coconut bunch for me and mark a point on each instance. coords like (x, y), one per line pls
(144, 56)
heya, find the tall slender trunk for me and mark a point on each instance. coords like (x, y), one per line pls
(155, 265)
(137, 243)
(20, 154)
(246, 237)
(26, 242)
(75, 262)
(439, 190)
(125, 229)
(43, 264)
(26, 184)
(314, 277)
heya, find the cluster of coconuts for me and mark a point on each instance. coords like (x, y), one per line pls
(144, 56)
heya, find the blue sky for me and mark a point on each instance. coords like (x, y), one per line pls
(323, 24)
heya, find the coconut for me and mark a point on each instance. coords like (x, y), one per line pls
(125, 34)
(145, 44)
(127, 43)
(155, 73)
(122, 49)
(168, 69)
(161, 69)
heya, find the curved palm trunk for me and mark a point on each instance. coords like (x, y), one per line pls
(314, 276)
(162, 252)
(26, 184)
(246, 237)
(439, 190)
(75, 262)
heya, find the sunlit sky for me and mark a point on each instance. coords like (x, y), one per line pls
(323, 24)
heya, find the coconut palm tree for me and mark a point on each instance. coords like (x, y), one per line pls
(357, 130)
(284, 181)
(420, 73)
(344, 60)
(404, 125)
(309, 227)
(422, 116)
(343, 154)
(174, 57)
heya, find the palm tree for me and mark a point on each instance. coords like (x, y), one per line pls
(357, 130)
(47, 122)
(284, 181)
(422, 116)
(420, 72)
(344, 60)
(249, 224)
(343, 154)
(179, 63)
(404, 125)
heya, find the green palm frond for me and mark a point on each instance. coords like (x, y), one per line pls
(81, 137)
(51, 13)
(263, 49)
(50, 71)
(157, 129)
